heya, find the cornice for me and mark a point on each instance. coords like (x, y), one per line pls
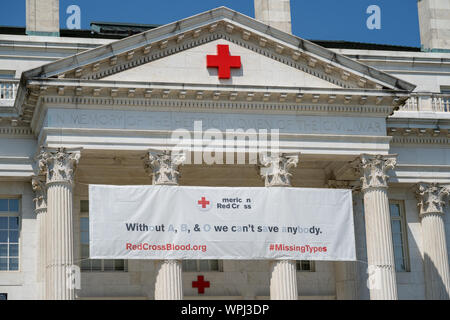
(419, 128)
(421, 132)
(66, 92)
(229, 23)
(256, 103)
(16, 132)
(305, 62)
(38, 87)
(423, 140)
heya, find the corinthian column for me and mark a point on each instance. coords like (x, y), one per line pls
(380, 251)
(163, 167)
(59, 166)
(431, 205)
(40, 202)
(283, 278)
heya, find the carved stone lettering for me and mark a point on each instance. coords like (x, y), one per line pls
(141, 120)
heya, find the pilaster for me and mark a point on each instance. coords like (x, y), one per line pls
(40, 202)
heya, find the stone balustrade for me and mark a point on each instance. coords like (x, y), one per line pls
(427, 102)
(8, 89)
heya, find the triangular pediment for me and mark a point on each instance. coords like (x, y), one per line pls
(176, 53)
(189, 66)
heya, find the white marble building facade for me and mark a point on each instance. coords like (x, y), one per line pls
(77, 111)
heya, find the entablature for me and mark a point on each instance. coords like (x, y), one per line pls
(65, 93)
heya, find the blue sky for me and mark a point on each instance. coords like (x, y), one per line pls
(312, 19)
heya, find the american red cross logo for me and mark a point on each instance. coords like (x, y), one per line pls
(223, 61)
(204, 203)
(200, 284)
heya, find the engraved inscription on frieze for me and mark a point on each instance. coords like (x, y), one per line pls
(159, 120)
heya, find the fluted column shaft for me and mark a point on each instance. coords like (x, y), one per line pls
(380, 250)
(60, 209)
(431, 204)
(59, 166)
(169, 280)
(283, 273)
(437, 279)
(283, 280)
(163, 167)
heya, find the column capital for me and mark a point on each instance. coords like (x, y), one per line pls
(163, 166)
(374, 168)
(275, 168)
(431, 198)
(58, 164)
(40, 194)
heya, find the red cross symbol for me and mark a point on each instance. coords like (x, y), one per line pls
(200, 284)
(203, 202)
(223, 61)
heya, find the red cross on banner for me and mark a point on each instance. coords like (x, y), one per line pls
(203, 202)
(200, 284)
(223, 61)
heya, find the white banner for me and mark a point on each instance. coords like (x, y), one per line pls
(177, 222)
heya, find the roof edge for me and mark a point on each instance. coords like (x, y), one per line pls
(216, 14)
